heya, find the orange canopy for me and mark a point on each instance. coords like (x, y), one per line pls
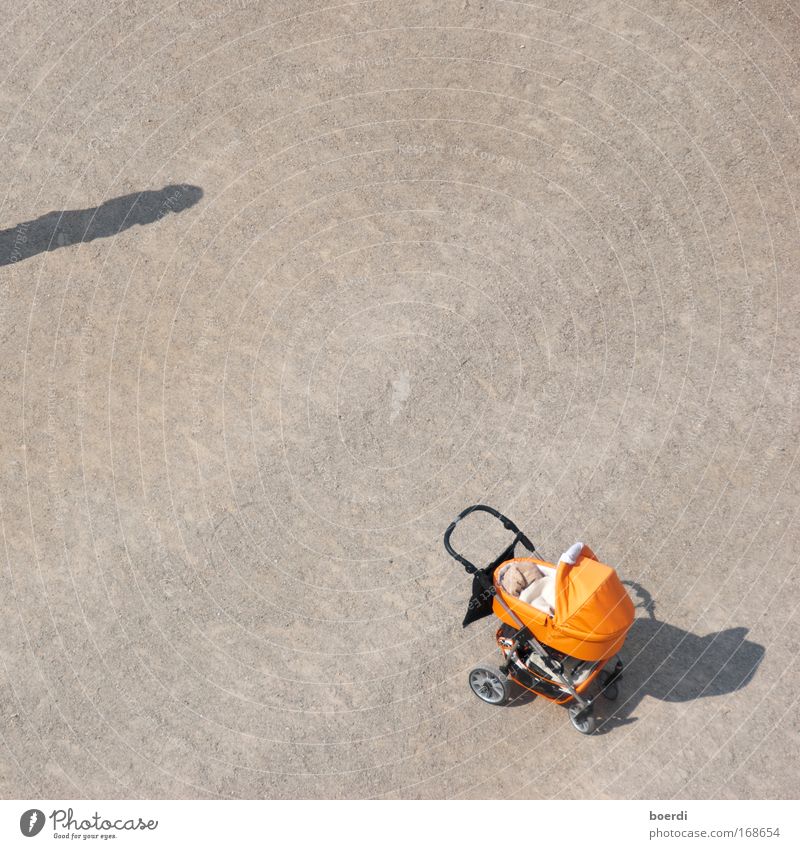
(592, 609)
(593, 612)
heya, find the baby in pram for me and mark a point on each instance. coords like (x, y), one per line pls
(534, 583)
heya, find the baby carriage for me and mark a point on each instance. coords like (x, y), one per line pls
(561, 625)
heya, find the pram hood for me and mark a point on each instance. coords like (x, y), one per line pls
(591, 603)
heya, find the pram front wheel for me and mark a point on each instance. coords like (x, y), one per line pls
(609, 686)
(582, 719)
(611, 691)
(608, 681)
(490, 685)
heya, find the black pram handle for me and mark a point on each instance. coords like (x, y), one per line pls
(507, 524)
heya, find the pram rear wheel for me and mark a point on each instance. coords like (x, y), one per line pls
(582, 719)
(490, 685)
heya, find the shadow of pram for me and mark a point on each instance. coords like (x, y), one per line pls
(673, 665)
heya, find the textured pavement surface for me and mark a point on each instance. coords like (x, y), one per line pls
(390, 259)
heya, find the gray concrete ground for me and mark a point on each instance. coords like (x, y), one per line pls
(394, 258)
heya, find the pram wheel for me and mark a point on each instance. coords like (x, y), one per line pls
(609, 686)
(608, 681)
(490, 685)
(582, 719)
(611, 692)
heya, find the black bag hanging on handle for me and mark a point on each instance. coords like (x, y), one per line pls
(483, 591)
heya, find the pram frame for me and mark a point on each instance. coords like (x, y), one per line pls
(523, 635)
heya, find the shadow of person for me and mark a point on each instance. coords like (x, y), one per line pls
(72, 226)
(673, 665)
